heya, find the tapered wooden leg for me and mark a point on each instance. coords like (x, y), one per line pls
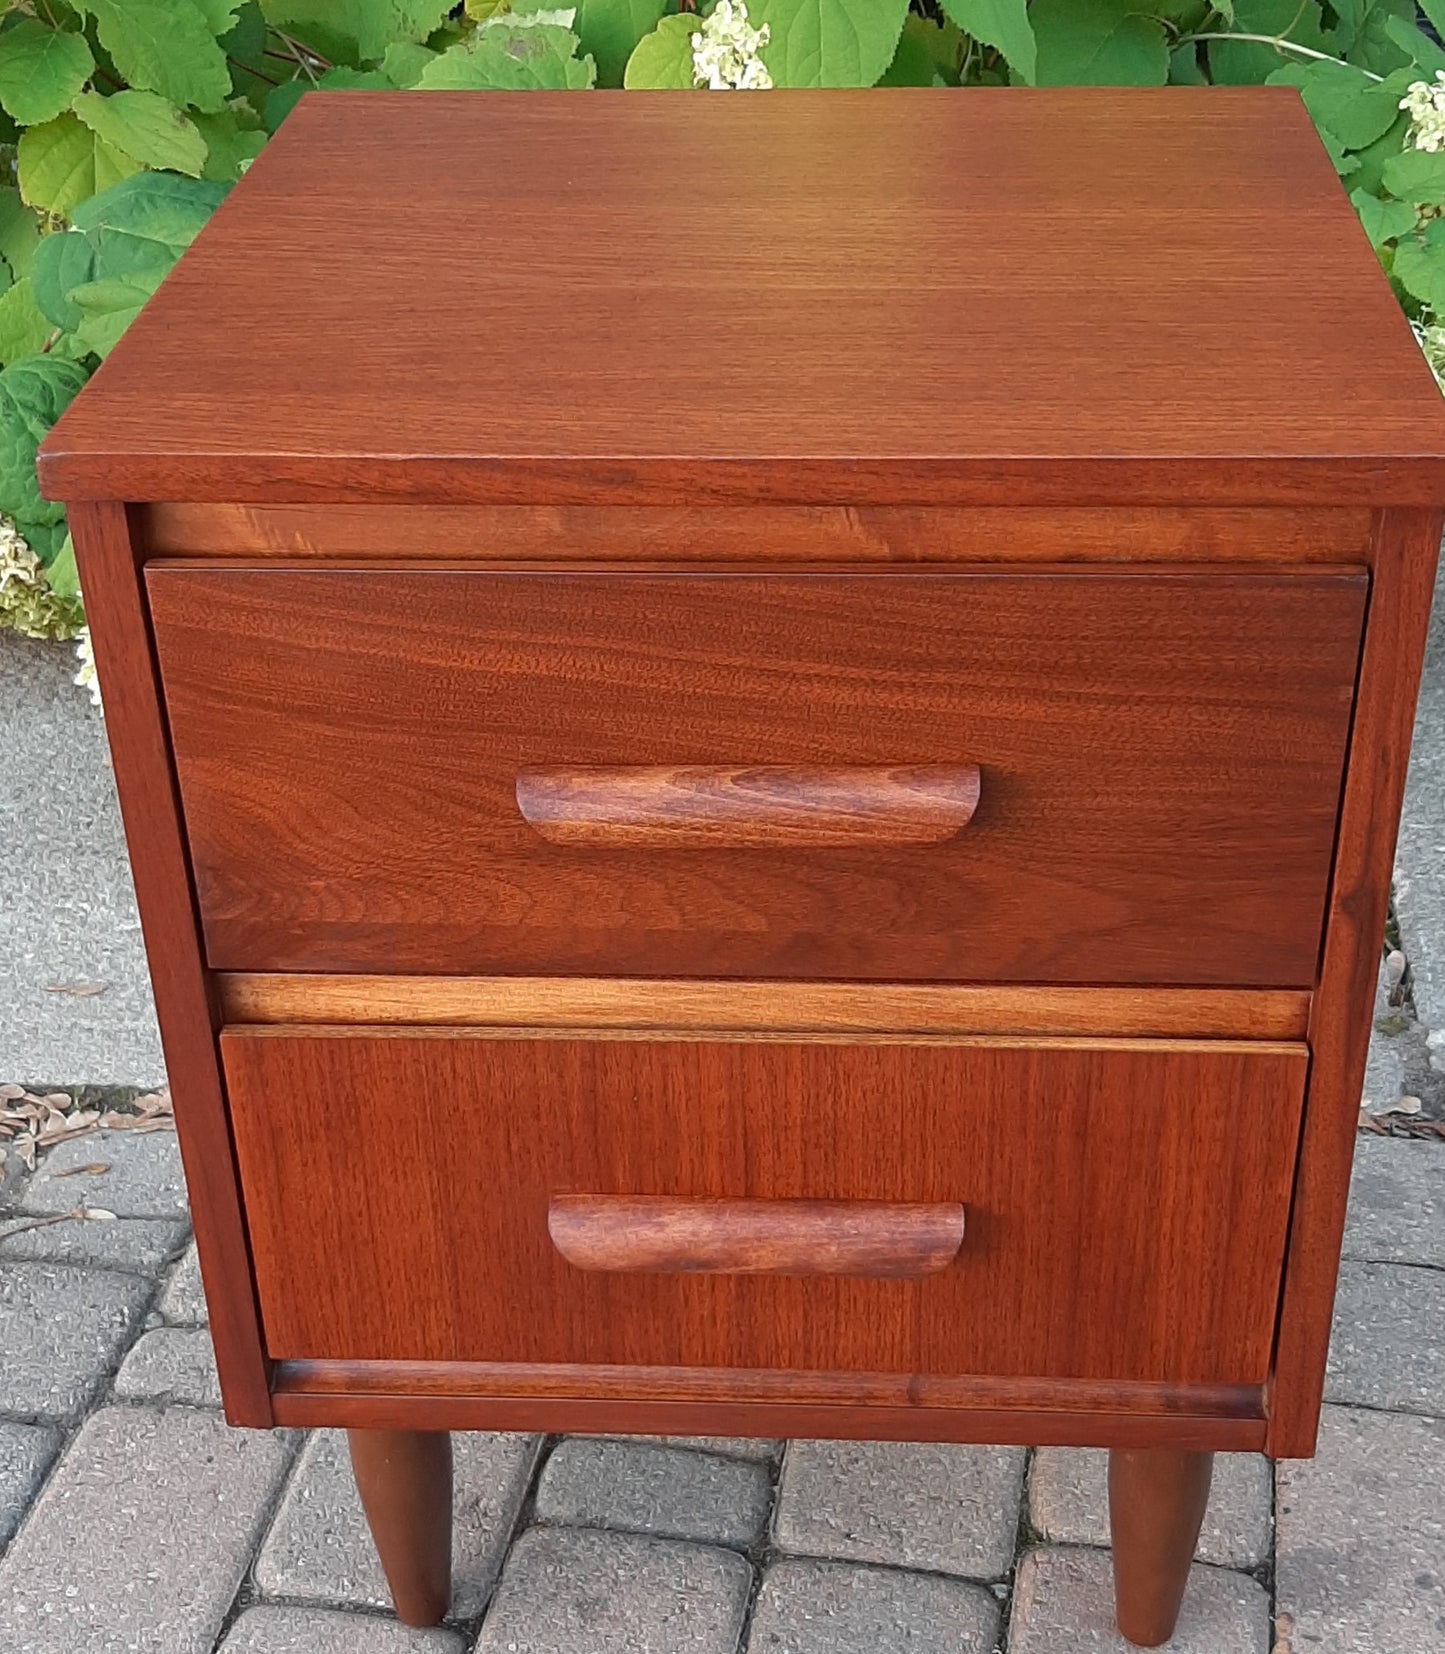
(1156, 1506)
(404, 1478)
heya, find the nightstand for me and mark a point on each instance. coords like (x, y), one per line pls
(830, 676)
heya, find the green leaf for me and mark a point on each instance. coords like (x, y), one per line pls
(1103, 43)
(611, 29)
(163, 46)
(152, 206)
(662, 60)
(1184, 69)
(404, 62)
(1246, 63)
(34, 392)
(344, 79)
(45, 540)
(1434, 10)
(829, 42)
(1349, 17)
(914, 64)
(1416, 175)
(1343, 100)
(147, 127)
(1421, 270)
(342, 31)
(354, 32)
(1374, 157)
(233, 139)
(1003, 24)
(511, 54)
(1416, 45)
(41, 70)
(253, 74)
(62, 261)
(110, 306)
(61, 574)
(280, 102)
(23, 329)
(19, 232)
(1383, 220)
(1372, 46)
(63, 162)
(138, 230)
(67, 347)
(220, 15)
(419, 19)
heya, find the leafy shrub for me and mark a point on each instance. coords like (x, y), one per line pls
(125, 121)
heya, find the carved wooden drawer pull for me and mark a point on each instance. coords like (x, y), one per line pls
(660, 1235)
(723, 807)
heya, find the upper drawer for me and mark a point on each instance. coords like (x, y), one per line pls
(1158, 755)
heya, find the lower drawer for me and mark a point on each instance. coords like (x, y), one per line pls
(455, 1197)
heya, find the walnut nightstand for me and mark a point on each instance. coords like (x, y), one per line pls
(831, 671)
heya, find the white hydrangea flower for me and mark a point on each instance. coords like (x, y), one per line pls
(85, 677)
(18, 564)
(27, 604)
(725, 51)
(1426, 106)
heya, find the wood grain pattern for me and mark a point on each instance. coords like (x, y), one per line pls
(976, 1392)
(689, 1401)
(1157, 1501)
(688, 1036)
(1163, 755)
(754, 534)
(404, 1478)
(665, 1235)
(1045, 1143)
(1405, 558)
(760, 806)
(150, 810)
(679, 344)
(779, 1007)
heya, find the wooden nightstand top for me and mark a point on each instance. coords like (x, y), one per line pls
(1017, 297)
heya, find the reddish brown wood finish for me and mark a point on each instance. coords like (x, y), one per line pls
(758, 807)
(759, 533)
(150, 809)
(624, 1400)
(745, 305)
(1404, 570)
(765, 1007)
(1162, 753)
(650, 1234)
(404, 1478)
(1045, 1143)
(1157, 1501)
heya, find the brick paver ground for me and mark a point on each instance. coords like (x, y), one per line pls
(133, 1521)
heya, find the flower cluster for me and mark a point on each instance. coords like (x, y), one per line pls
(1426, 106)
(725, 51)
(85, 677)
(27, 603)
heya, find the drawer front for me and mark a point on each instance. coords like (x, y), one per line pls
(1061, 776)
(642, 1202)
